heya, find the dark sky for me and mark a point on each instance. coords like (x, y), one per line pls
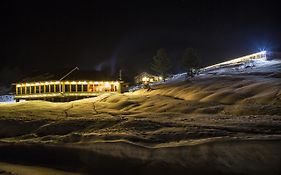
(45, 34)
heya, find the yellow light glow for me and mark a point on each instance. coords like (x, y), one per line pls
(67, 82)
(37, 84)
(145, 79)
(116, 83)
(18, 85)
(106, 85)
(46, 83)
(73, 82)
(27, 84)
(84, 82)
(96, 82)
(57, 82)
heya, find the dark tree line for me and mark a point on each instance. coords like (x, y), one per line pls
(161, 63)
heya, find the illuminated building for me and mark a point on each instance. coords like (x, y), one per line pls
(65, 90)
(145, 78)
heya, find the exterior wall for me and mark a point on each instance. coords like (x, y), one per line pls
(51, 89)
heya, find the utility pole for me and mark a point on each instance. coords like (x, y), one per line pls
(120, 75)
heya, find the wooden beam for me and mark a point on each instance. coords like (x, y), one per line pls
(17, 91)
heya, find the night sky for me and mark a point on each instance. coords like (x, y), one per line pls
(126, 34)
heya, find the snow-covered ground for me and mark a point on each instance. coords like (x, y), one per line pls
(252, 66)
(7, 99)
(226, 120)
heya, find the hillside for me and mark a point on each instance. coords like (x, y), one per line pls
(226, 120)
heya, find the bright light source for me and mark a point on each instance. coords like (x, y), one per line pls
(145, 79)
(106, 85)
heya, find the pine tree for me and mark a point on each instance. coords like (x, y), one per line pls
(190, 62)
(161, 63)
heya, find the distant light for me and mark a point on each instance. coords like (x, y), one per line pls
(262, 49)
(145, 79)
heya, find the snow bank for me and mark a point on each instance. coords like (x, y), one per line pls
(7, 99)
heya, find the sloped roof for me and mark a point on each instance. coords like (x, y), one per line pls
(57, 74)
(144, 74)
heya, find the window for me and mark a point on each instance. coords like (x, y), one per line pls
(73, 88)
(57, 87)
(47, 88)
(23, 90)
(67, 88)
(18, 89)
(85, 88)
(79, 88)
(32, 89)
(28, 90)
(42, 89)
(37, 89)
(91, 88)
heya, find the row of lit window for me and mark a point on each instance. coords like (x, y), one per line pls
(65, 82)
(66, 88)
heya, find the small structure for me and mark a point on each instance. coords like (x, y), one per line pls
(67, 88)
(146, 78)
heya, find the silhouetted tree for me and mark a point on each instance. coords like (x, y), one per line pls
(190, 62)
(161, 63)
